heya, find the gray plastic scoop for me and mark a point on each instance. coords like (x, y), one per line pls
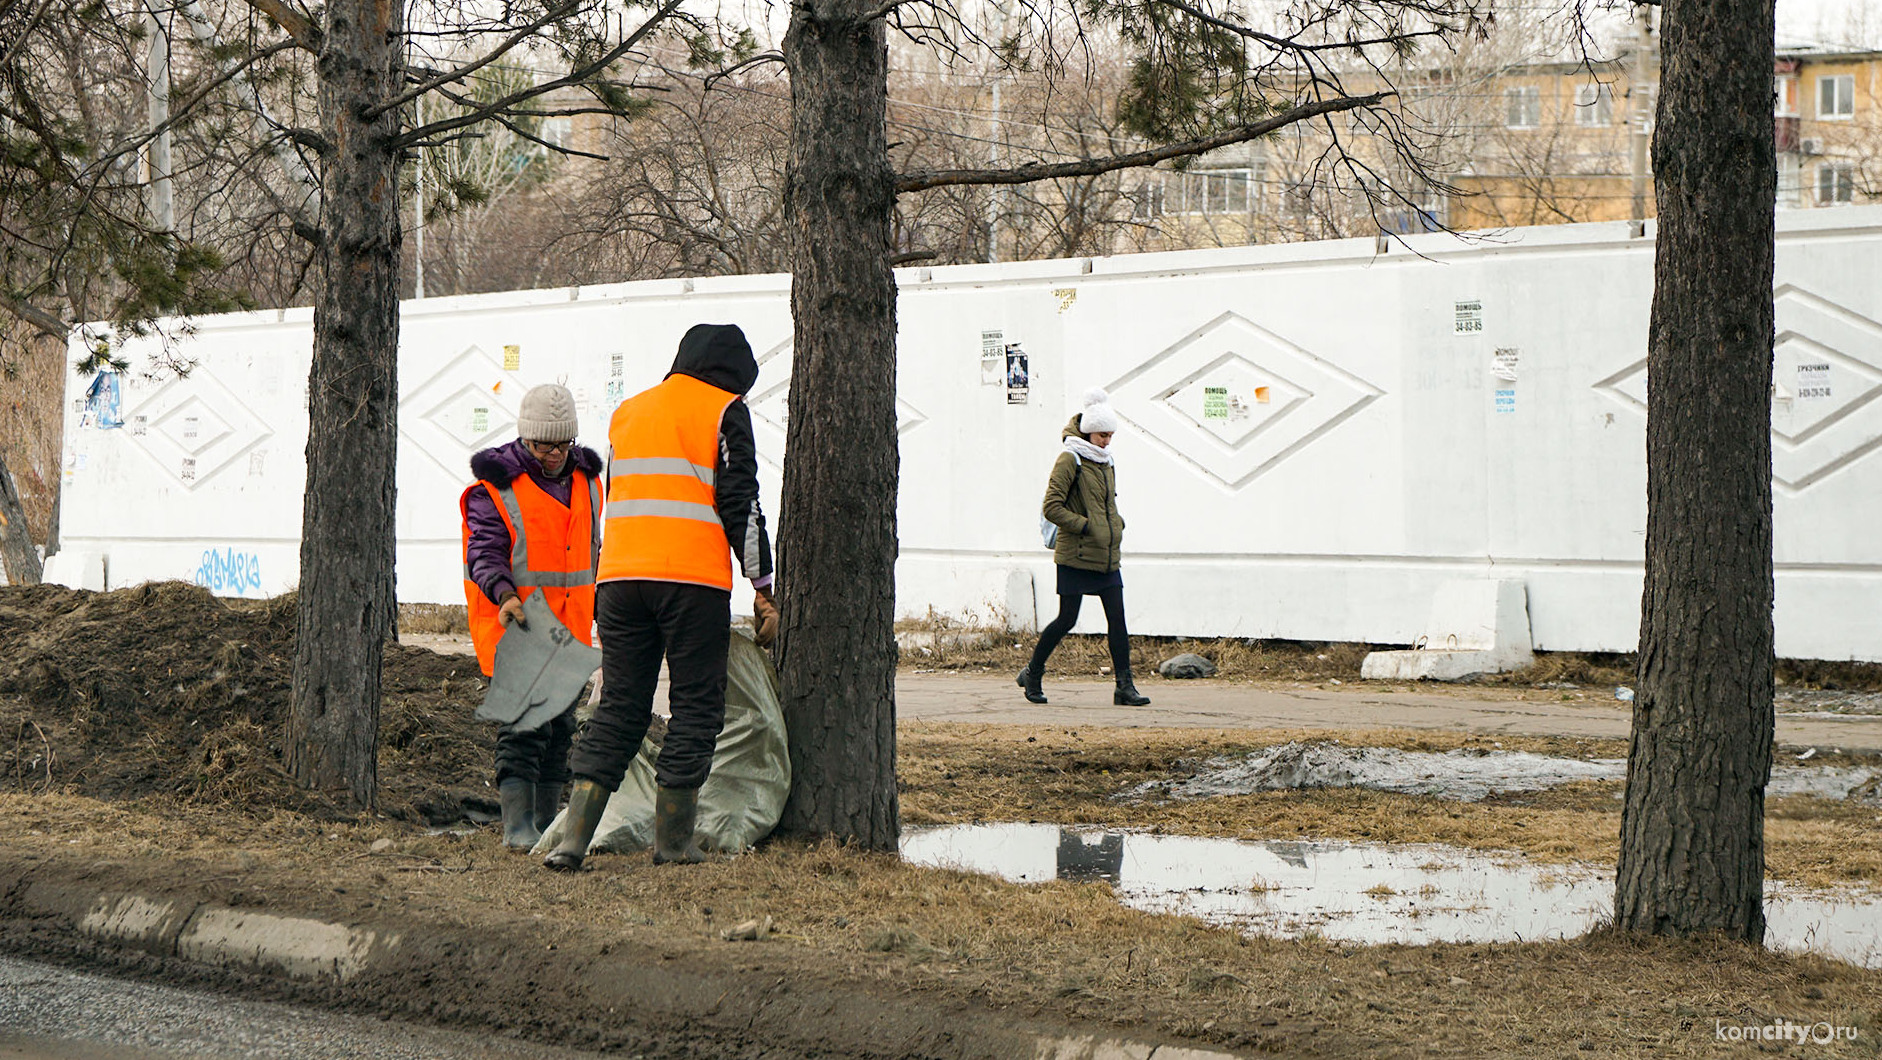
(540, 669)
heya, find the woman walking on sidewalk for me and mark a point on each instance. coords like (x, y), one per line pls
(1081, 501)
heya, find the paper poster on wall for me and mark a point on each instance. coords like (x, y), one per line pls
(1506, 400)
(992, 358)
(1215, 403)
(1503, 364)
(512, 358)
(1469, 318)
(1018, 375)
(100, 406)
(1813, 382)
(480, 420)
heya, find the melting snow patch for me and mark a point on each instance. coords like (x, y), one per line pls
(1464, 775)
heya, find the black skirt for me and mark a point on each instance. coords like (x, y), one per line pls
(1077, 581)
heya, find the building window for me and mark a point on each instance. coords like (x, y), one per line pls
(1835, 183)
(1790, 180)
(1210, 191)
(1836, 96)
(1786, 96)
(1524, 107)
(1594, 105)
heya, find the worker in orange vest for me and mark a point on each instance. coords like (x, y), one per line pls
(532, 523)
(682, 500)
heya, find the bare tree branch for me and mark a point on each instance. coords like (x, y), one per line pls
(573, 77)
(44, 321)
(298, 26)
(460, 73)
(1090, 167)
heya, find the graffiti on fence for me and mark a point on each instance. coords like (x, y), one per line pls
(229, 571)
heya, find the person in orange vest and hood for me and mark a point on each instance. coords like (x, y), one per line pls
(532, 523)
(682, 501)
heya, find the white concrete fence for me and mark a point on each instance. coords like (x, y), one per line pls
(1317, 435)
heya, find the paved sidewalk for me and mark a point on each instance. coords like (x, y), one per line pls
(1213, 704)
(993, 698)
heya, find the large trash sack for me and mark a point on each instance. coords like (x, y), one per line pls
(751, 770)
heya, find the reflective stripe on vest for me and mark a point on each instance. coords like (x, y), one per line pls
(569, 593)
(662, 520)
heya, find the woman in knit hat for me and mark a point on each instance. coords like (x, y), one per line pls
(547, 489)
(1081, 501)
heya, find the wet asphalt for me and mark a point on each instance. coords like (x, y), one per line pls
(50, 1013)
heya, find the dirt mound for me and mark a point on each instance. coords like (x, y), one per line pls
(165, 691)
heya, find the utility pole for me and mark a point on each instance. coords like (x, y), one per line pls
(157, 97)
(1640, 120)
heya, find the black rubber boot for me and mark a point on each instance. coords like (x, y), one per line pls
(1029, 679)
(1127, 694)
(518, 799)
(675, 810)
(586, 801)
(548, 800)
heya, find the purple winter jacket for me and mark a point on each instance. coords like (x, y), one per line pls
(488, 555)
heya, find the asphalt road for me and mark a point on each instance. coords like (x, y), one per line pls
(49, 1013)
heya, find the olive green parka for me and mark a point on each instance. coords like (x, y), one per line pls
(1091, 531)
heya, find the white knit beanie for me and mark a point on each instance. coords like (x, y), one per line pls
(1098, 416)
(547, 415)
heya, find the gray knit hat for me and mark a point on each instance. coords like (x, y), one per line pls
(547, 415)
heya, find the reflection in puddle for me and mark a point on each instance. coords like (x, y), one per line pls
(1357, 892)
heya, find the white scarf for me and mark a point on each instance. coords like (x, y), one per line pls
(1084, 450)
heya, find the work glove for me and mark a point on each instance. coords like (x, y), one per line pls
(511, 610)
(764, 618)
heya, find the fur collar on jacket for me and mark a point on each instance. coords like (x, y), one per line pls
(500, 465)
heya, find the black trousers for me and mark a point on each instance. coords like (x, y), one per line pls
(641, 623)
(1117, 632)
(541, 755)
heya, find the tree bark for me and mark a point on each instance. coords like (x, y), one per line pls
(1692, 827)
(17, 558)
(836, 542)
(346, 589)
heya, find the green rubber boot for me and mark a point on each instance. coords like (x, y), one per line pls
(548, 800)
(517, 797)
(675, 810)
(586, 801)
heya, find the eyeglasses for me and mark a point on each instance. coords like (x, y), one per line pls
(549, 448)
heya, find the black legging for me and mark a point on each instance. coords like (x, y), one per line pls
(1115, 632)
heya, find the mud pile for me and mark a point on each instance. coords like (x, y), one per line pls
(165, 691)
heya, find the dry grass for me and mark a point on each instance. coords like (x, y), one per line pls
(1057, 949)
(433, 618)
(940, 643)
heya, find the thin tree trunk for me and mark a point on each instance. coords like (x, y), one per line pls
(836, 545)
(1692, 827)
(17, 557)
(346, 590)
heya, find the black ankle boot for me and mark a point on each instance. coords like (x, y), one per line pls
(1029, 679)
(1127, 694)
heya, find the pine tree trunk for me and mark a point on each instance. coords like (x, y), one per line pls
(1692, 828)
(346, 590)
(17, 558)
(836, 544)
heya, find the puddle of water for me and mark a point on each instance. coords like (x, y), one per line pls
(1355, 892)
(1464, 775)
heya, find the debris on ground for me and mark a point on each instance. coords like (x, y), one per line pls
(1187, 665)
(165, 691)
(1465, 775)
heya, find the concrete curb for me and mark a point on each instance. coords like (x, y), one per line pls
(312, 950)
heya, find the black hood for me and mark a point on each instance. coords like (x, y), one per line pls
(717, 354)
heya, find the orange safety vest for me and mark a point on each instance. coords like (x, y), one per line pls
(553, 548)
(662, 522)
